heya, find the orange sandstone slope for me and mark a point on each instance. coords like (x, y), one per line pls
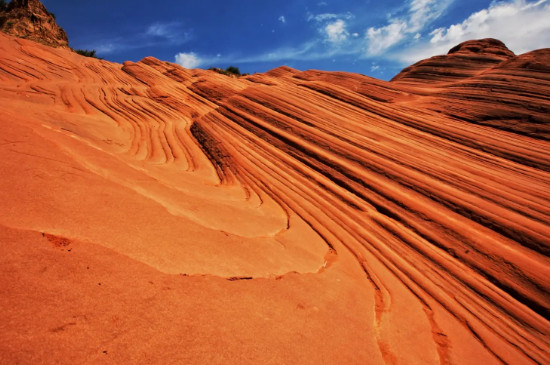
(155, 214)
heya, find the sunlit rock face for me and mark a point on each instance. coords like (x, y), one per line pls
(30, 19)
(467, 59)
(157, 214)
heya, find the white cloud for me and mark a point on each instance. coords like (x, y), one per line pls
(380, 39)
(332, 26)
(158, 29)
(336, 31)
(311, 50)
(523, 26)
(282, 19)
(420, 13)
(328, 16)
(188, 60)
(321, 17)
(172, 32)
(304, 52)
(105, 48)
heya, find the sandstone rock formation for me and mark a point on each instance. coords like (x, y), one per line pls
(30, 19)
(463, 61)
(483, 82)
(155, 214)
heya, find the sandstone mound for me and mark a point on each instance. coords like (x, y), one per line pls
(463, 61)
(155, 214)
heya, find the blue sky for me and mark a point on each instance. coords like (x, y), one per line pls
(375, 38)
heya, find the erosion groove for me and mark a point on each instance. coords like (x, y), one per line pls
(418, 209)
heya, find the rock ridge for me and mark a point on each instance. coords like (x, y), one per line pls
(31, 20)
(462, 61)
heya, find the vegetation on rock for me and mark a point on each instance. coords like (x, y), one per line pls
(86, 52)
(229, 71)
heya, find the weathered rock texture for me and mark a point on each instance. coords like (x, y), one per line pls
(468, 59)
(30, 19)
(155, 214)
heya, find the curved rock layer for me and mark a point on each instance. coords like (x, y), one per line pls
(463, 61)
(156, 214)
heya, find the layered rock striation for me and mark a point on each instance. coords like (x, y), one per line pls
(158, 214)
(463, 61)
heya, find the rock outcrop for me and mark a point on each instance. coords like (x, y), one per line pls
(463, 61)
(31, 20)
(483, 82)
(155, 214)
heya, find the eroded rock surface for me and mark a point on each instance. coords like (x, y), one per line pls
(30, 19)
(156, 214)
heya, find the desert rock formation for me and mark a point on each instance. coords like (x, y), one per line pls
(463, 61)
(156, 214)
(31, 20)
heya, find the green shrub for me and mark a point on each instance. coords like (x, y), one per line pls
(230, 71)
(233, 70)
(86, 53)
